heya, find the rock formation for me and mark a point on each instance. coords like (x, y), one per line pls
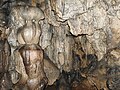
(75, 42)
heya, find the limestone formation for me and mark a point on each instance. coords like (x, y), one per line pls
(74, 40)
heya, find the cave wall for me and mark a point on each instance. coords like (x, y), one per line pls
(81, 35)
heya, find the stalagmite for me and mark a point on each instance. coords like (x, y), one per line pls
(28, 56)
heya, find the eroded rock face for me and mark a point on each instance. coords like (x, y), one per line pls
(5, 81)
(79, 37)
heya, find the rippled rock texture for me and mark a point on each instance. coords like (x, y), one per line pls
(75, 42)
